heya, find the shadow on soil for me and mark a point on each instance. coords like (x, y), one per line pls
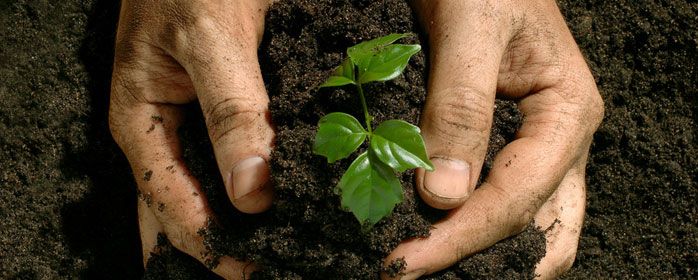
(101, 227)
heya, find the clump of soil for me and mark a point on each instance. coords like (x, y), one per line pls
(306, 234)
(168, 263)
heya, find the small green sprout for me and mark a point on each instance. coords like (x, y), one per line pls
(370, 189)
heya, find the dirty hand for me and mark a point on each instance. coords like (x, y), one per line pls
(524, 51)
(169, 53)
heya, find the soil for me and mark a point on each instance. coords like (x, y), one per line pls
(67, 195)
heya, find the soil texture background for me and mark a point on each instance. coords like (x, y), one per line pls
(68, 198)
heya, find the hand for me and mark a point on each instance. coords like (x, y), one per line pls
(524, 51)
(170, 53)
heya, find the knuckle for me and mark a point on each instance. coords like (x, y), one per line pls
(460, 111)
(124, 95)
(521, 211)
(178, 34)
(580, 90)
(589, 114)
(129, 49)
(596, 109)
(190, 25)
(116, 110)
(125, 91)
(231, 116)
(577, 110)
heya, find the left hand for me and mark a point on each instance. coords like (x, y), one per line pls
(169, 53)
(524, 51)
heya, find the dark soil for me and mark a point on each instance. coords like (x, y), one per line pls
(67, 196)
(307, 234)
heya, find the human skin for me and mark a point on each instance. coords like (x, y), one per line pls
(169, 53)
(519, 50)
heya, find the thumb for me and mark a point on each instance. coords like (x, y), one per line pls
(456, 121)
(227, 78)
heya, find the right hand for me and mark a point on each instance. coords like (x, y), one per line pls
(518, 50)
(169, 53)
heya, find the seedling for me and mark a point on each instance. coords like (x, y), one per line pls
(369, 188)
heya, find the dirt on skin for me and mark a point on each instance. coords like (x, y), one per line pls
(67, 196)
(307, 234)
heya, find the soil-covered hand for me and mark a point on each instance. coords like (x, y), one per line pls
(524, 51)
(169, 53)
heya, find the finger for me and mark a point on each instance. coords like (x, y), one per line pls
(227, 79)
(149, 228)
(466, 50)
(562, 217)
(480, 222)
(555, 134)
(147, 135)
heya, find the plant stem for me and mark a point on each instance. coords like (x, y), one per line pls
(367, 117)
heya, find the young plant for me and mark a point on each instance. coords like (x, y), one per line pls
(369, 188)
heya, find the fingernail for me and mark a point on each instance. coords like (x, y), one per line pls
(413, 275)
(248, 176)
(450, 178)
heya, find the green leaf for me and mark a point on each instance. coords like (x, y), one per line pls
(338, 135)
(336, 81)
(346, 69)
(370, 189)
(388, 63)
(399, 145)
(362, 53)
(343, 75)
